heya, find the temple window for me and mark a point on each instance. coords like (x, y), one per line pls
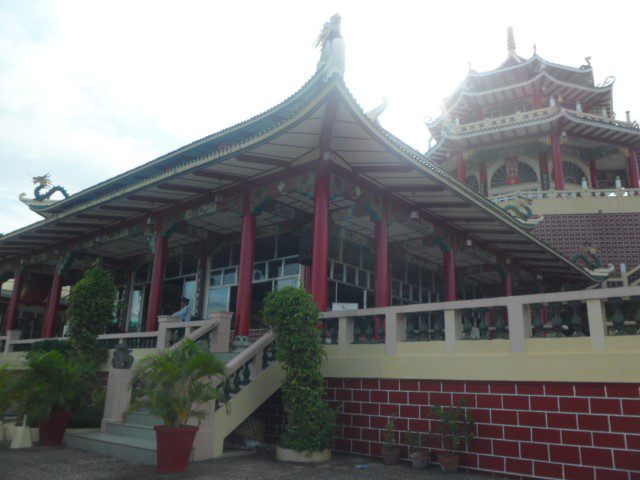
(139, 298)
(572, 173)
(180, 281)
(525, 173)
(473, 183)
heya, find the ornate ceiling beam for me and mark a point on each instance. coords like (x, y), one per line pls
(184, 188)
(276, 162)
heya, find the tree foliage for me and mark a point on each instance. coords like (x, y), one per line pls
(91, 306)
(52, 382)
(175, 384)
(293, 316)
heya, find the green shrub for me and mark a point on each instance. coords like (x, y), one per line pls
(7, 381)
(52, 382)
(293, 316)
(62, 346)
(174, 384)
(91, 306)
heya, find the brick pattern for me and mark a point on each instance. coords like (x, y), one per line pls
(534, 430)
(609, 232)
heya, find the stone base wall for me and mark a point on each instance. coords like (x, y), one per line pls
(613, 234)
(534, 430)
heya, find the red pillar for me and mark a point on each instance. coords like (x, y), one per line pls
(484, 179)
(508, 287)
(634, 174)
(556, 149)
(245, 269)
(49, 324)
(538, 103)
(543, 162)
(460, 167)
(449, 275)
(14, 303)
(157, 279)
(593, 173)
(320, 257)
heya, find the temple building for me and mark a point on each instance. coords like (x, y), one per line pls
(541, 140)
(312, 192)
(498, 269)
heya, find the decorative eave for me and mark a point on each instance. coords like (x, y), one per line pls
(544, 79)
(536, 123)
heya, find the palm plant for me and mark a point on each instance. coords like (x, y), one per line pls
(52, 382)
(175, 384)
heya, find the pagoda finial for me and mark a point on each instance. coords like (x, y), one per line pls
(511, 43)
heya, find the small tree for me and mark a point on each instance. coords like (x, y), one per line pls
(294, 318)
(91, 306)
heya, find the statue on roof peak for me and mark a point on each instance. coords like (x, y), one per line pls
(511, 42)
(332, 48)
(42, 198)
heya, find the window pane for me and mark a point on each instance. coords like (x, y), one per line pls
(216, 278)
(413, 274)
(291, 267)
(338, 271)
(368, 259)
(362, 278)
(229, 276)
(275, 269)
(260, 271)
(142, 273)
(351, 275)
(189, 291)
(265, 248)
(287, 282)
(218, 298)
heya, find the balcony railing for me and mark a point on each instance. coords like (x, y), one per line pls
(602, 193)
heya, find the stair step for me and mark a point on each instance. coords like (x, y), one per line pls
(132, 430)
(143, 418)
(127, 448)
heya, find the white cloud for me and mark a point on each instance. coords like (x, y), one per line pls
(91, 89)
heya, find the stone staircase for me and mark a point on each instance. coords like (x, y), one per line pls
(252, 377)
(133, 439)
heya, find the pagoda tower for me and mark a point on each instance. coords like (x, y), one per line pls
(543, 133)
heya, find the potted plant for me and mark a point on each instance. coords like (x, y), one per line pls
(390, 451)
(455, 429)
(174, 385)
(49, 389)
(418, 455)
(310, 426)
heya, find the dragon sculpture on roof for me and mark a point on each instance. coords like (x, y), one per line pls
(41, 198)
(589, 259)
(519, 208)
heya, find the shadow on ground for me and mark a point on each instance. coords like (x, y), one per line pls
(52, 463)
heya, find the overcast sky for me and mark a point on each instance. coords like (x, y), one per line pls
(90, 89)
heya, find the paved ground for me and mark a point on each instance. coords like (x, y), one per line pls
(54, 463)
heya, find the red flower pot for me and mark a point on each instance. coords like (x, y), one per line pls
(174, 447)
(52, 430)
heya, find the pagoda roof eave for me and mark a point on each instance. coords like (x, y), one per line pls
(463, 93)
(183, 154)
(471, 212)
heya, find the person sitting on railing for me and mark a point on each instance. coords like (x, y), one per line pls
(184, 314)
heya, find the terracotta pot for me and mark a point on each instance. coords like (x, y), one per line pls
(174, 447)
(449, 462)
(52, 430)
(390, 456)
(419, 459)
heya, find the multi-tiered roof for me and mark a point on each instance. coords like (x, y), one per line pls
(525, 98)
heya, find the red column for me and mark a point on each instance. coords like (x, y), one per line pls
(484, 179)
(245, 270)
(449, 275)
(556, 149)
(460, 167)
(508, 288)
(14, 303)
(49, 324)
(157, 280)
(593, 173)
(634, 174)
(543, 162)
(538, 103)
(320, 257)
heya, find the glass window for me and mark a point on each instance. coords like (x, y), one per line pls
(216, 278)
(189, 290)
(229, 276)
(235, 254)
(218, 299)
(287, 282)
(138, 307)
(291, 267)
(334, 247)
(265, 248)
(259, 271)
(338, 271)
(413, 274)
(275, 268)
(351, 275)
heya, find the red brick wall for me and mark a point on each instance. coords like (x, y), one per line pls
(538, 430)
(613, 233)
